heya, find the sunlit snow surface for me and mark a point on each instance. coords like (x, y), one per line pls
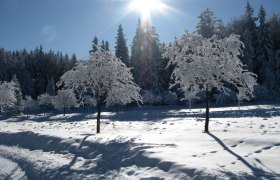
(144, 143)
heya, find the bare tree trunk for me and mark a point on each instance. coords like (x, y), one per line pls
(206, 129)
(99, 104)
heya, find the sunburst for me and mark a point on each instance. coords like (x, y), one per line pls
(146, 7)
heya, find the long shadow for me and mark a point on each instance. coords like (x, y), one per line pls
(146, 113)
(258, 173)
(79, 148)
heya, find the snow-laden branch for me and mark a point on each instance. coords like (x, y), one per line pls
(104, 77)
(206, 64)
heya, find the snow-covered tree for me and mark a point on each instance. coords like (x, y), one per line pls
(18, 105)
(50, 88)
(150, 98)
(28, 103)
(45, 100)
(7, 95)
(64, 99)
(209, 65)
(170, 97)
(105, 78)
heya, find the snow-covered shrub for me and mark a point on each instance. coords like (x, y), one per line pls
(151, 98)
(170, 98)
(64, 99)
(29, 102)
(45, 100)
(7, 95)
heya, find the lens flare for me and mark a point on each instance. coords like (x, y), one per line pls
(146, 7)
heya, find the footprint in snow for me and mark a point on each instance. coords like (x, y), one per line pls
(213, 152)
(235, 145)
(130, 173)
(268, 147)
(258, 151)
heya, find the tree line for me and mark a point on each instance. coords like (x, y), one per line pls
(36, 71)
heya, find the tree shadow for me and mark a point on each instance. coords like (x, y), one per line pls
(146, 113)
(257, 172)
(111, 156)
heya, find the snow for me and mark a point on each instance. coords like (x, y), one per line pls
(144, 143)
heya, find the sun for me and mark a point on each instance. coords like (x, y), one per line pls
(146, 7)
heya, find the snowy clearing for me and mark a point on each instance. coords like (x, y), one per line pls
(143, 143)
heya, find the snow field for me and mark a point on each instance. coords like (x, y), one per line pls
(160, 143)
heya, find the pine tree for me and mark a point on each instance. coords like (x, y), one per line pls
(250, 19)
(206, 24)
(18, 95)
(106, 46)
(121, 47)
(146, 58)
(137, 48)
(249, 38)
(264, 52)
(50, 89)
(102, 45)
(249, 51)
(274, 30)
(94, 44)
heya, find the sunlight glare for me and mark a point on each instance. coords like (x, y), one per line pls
(145, 7)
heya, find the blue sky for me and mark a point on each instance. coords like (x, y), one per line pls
(70, 25)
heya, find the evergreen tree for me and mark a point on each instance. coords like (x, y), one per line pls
(146, 58)
(106, 46)
(249, 39)
(274, 30)
(121, 47)
(94, 44)
(264, 52)
(18, 95)
(250, 19)
(137, 52)
(206, 24)
(136, 49)
(102, 45)
(50, 89)
(249, 51)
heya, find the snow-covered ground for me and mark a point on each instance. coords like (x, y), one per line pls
(143, 143)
